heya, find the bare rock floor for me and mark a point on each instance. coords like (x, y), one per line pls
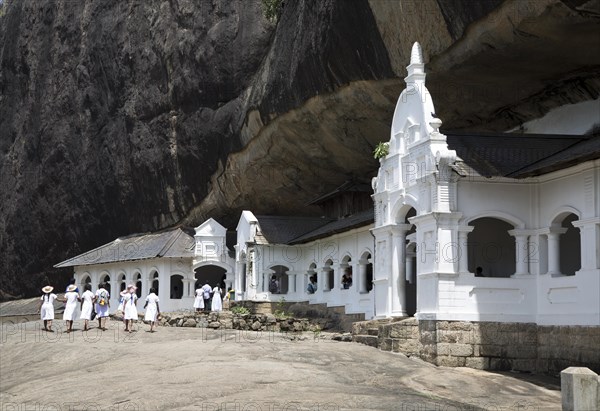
(200, 369)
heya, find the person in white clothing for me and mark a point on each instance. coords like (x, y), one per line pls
(199, 300)
(152, 309)
(129, 307)
(207, 290)
(217, 304)
(102, 306)
(71, 297)
(46, 308)
(87, 304)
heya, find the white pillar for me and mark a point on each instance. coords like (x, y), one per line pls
(114, 293)
(164, 292)
(362, 275)
(463, 254)
(521, 252)
(398, 259)
(554, 250)
(325, 274)
(589, 243)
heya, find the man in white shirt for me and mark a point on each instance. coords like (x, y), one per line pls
(206, 290)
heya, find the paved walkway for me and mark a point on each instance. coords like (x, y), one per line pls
(196, 369)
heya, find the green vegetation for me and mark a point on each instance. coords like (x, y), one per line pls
(381, 150)
(280, 311)
(238, 309)
(271, 9)
(317, 332)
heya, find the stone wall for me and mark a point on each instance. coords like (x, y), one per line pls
(490, 345)
(229, 320)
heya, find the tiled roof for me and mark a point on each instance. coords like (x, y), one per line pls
(281, 230)
(337, 226)
(348, 186)
(297, 230)
(585, 150)
(171, 243)
(521, 155)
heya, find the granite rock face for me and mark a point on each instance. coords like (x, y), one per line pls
(124, 117)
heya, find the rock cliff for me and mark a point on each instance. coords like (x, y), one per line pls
(121, 117)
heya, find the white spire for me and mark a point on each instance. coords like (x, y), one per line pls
(416, 56)
(416, 68)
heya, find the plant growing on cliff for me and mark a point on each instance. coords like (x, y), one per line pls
(271, 9)
(381, 150)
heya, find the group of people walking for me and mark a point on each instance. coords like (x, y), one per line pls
(97, 305)
(209, 299)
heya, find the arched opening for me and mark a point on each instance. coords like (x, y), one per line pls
(411, 278)
(279, 272)
(243, 274)
(86, 280)
(310, 285)
(176, 287)
(569, 245)
(122, 284)
(105, 279)
(365, 273)
(369, 275)
(491, 247)
(346, 266)
(138, 284)
(407, 260)
(212, 275)
(155, 281)
(411, 213)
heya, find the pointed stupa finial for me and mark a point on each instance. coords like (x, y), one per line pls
(416, 56)
(416, 68)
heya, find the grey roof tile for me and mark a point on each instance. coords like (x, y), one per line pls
(283, 229)
(337, 226)
(521, 155)
(171, 243)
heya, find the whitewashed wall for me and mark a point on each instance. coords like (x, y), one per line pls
(354, 245)
(165, 267)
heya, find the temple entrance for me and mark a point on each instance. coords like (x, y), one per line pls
(212, 275)
(410, 268)
(411, 279)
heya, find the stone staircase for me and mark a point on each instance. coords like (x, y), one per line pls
(369, 332)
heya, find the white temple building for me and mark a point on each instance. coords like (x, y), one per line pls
(524, 208)
(172, 261)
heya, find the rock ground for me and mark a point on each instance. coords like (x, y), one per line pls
(202, 369)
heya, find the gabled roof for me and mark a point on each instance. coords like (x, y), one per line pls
(521, 155)
(283, 229)
(170, 243)
(211, 228)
